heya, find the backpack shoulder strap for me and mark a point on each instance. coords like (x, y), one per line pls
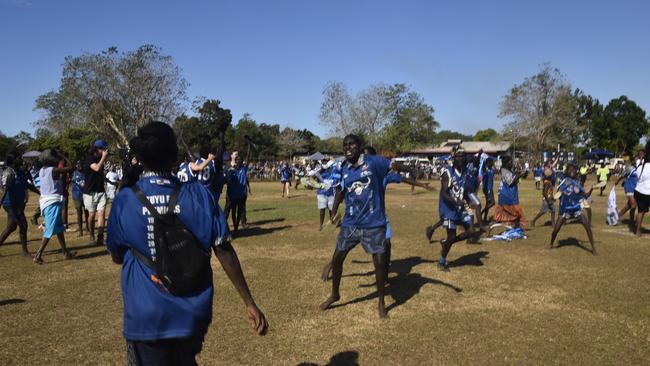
(144, 200)
(143, 258)
(173, 199)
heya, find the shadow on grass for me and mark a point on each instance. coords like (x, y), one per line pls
(402, 287)
(269, 221)
(11, 302)
(571, 242)
(473, 259)
(58, 250)
(17, 242)
(263, 209)
(100, 253)
(347, 358)
(255, 231)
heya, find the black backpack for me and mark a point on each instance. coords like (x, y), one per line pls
(181, 265)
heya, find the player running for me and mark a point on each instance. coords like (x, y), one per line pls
(572, 195)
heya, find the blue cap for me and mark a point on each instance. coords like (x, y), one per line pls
(100, 144)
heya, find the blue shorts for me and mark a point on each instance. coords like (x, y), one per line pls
(463, 219)
(571, 214)
(372, 239)
(389, 232)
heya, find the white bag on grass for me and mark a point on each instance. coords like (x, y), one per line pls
(612, 212)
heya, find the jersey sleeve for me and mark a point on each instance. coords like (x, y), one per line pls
(114, 234)
(393, 177)
(8, 177)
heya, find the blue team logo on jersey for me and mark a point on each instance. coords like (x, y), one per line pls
(359, 186)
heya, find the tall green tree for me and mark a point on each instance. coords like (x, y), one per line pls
(292, 141)
(542, 110)
(336, 110)
(7, 145)
(75, 142)
(206, 128)
(626, 123)
(412, 123)
(488, 134)
(113, 93)
(591, 120)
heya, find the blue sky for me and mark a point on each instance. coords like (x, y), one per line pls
(273, 58)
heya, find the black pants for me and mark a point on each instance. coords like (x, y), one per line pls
(238, 208)
(15, 218)
(164, 352)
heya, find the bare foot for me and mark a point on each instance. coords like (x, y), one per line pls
(332, 299)
(26, 254)
(69, 255)
(38, 260)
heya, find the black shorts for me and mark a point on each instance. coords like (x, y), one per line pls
(177, 351)
(642, 201)
(15, 213)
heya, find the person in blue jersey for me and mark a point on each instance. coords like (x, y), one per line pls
(285, 178)
(472, 183)
(508, 210)
(393, 177)
(160, 328)
(238, 189)
(325, 197)
(204, 168)
(537, 175)
(184, 173)
(78, 181)
(488, 187)
(452, 206)
(364, 220)
(14, 184)
(36, 181)
(571, 205)
(548, 199)
(631, 178)
(51, 200)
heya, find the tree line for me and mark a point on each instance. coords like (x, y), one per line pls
(111, 94)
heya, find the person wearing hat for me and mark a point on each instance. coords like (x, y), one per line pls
(94, 192)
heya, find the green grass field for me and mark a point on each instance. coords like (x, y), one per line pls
(502, 303)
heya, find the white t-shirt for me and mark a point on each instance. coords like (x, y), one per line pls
(112, 177)
(643, 185)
